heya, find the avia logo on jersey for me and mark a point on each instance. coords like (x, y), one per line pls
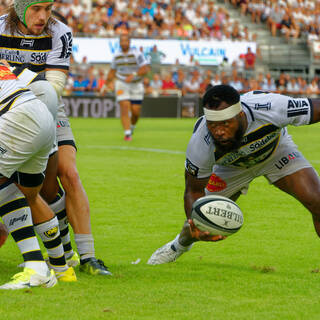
(39, 57)
(14, 220)
(285, 160)
(262, 106)
(27, 43)
(216, 184)
(297, 107)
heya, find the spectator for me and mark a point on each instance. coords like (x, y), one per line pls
(249, 59)
(155, 59)
(292, 87)
(147, 86)
(180, 80)
(167, 84)
(192, 85)
(156, 84)
(313, 89)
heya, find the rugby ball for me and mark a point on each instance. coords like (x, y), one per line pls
(217, 215)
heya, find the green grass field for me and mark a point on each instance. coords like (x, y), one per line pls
(268, 270)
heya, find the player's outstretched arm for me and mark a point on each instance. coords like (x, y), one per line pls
(3, 234)
(316, 110)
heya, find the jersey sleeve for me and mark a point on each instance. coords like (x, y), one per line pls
(279, 109)
(59, 56)
(293, 111)
(200, 152)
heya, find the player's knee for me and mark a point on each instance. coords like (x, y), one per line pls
(312, 202)
(69, 178)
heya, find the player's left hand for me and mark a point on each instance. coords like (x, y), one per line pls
(202, 235)
(3, 234)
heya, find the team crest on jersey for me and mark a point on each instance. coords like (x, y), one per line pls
(27, 43)
(191, 168)
(216, 184)
(6, 74)
(52, 232)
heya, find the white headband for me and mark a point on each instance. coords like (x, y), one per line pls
(225, 114)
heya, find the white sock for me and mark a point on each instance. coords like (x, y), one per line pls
(127, 132)
(180, 247)
(85, 245)
(39, 266)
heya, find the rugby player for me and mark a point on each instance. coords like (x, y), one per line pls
(128, 67)
(29, 34)
(27, 134)
(237, 140)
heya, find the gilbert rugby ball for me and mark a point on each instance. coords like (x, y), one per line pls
(217, 215)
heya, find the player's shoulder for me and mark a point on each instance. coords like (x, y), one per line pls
(200, 132)
(59, 28)
(259, 104)
(3, 21)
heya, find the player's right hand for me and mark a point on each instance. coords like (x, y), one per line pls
(202, 235)
(3, 234)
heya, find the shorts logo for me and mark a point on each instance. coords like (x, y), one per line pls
(285, 160)
(14, 220)
(3, 150)
(191, 168)
(216, 184)
(52, 232)
(63, 124)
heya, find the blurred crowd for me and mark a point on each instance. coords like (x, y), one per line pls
(192, 80)
(190, 19)
(290, 18)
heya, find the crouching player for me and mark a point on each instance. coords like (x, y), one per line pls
(27, 134)
(237, 140)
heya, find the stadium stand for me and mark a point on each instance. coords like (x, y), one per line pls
(286, 34)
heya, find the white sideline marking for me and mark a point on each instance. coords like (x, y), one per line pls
(135, 149)
(150, 150)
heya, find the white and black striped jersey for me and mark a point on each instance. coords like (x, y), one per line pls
(128, 63)
(268, 114)
(39, 52)
(13, 90)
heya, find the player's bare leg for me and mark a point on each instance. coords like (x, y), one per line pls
(304, 185)
(125, 118)
(78, 211)
(54, 196)
(135, 115)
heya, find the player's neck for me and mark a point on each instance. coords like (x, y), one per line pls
(22, 28)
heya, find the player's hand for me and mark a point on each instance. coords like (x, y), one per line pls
(202, 235)
(5, 63)
(129, 78)
(3, 234)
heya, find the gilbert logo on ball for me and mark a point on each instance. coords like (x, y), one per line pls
(217, 215)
